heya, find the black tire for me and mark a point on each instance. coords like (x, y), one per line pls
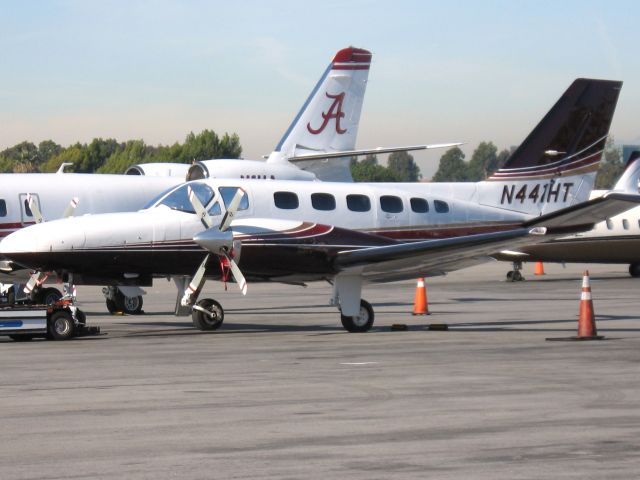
(11, 297)
(517, 276)
(202, 321)
(634, 270)
(510, 276)
(49, 296)
(61, 326)
(21, 338)
(131, 305)
(111, 306)
(360, 323)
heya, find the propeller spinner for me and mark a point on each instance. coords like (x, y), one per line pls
(219, 241)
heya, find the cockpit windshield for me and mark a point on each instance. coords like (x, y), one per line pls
(179, 198)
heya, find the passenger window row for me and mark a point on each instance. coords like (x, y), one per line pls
(625, 224)
(358, 203)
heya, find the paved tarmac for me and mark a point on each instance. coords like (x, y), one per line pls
(282, 392)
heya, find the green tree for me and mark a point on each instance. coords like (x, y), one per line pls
(404, 167)
(72, 154)
(369, 159)
(367, 171)
(483, 163)
(134, 152)
(47, 149)
(96, 153)
(611, 166)
(22, 157)
(452, 167)
(502, 158)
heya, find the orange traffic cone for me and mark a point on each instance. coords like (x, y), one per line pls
(539, 269)
(587, 321)
(420, 306)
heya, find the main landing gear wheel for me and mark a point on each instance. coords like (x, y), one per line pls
(514, 276)
(207, 314)
(61, 326)
(361, 322)
(128, 305)
(634, 270)
(131, 305)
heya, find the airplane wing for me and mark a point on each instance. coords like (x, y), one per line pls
(437, 257)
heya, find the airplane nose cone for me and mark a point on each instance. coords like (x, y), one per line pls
(44, 237)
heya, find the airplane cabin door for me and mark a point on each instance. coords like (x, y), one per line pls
(26, 215)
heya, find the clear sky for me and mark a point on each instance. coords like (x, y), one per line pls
(72, 70)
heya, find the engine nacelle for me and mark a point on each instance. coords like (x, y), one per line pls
(251, 169)
(159, 169)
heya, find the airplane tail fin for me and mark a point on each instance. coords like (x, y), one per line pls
(557, 163)
(328, 120)
(629, 181)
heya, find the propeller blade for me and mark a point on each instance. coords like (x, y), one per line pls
(71, 208)
(195, 284)
(34, 205)
(231, 209)
(201, 212)
(237, 274)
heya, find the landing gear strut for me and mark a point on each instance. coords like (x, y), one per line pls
(356, 314)
(515, 275)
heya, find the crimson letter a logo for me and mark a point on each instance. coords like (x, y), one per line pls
(335, 111)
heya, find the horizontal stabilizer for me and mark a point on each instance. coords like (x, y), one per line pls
(371, 151)
(584, 215)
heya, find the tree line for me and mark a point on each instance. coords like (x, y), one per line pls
(111, 156)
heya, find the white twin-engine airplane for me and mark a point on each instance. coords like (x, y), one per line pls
(321, 139)
(347, 234)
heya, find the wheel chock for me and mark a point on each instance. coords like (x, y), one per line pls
(399, 327)
(438, 326)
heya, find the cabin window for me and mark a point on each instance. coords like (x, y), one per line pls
(625, 224)
(3, 208)
(609, 224)
(323, 201)
(179, 198)
(286, 200)
(419, 205)
(227, 194)
(440, 206)
(358, 203)
(391, 204)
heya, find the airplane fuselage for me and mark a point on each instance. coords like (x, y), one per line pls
(301, 223)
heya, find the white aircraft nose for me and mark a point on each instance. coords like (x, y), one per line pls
(44, 237)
